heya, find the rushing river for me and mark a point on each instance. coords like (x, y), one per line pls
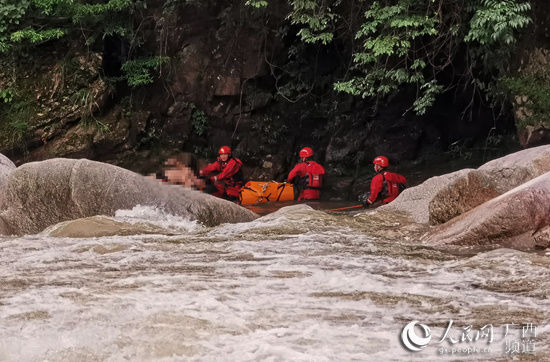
(298, 284)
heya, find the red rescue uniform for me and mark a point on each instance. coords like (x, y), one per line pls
(312, 173)
(391, 188)
(229, 179)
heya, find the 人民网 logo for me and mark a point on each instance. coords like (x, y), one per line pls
(412, 341)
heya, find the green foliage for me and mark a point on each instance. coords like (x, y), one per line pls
(84, 99)
(409, 42)
(39, 21)
(494, 21)
(391, 54)
(493, 30)
(29, 23)
(199, 121)
(139, 71)
(531, 97)
(15, 118)
(85, 12)
(6, 95)
(36, 37)
(256, 3)
(11, 14)
(316, 19)
(394, 44)
(429, 91)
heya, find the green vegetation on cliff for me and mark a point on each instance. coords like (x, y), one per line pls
(260, 69)
(38, 21)
(409, 42)
(30, 23)
(393, 43)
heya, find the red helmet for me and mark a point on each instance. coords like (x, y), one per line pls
(224, 150)
(382, 161)
(306, 152)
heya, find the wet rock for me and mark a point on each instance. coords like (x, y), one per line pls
(512, 170)
(488, 181)
(542, 238)
(461, 195)
(442, 198)
(415, 201)
(6, 167)
(40, 194)
(511, 220)
(99, 226)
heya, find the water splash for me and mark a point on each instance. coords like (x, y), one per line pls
(155, 216)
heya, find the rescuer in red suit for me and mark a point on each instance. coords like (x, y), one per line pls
(228, 178)
(385, 185)
(307, 176)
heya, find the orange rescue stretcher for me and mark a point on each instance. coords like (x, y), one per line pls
(254, 192)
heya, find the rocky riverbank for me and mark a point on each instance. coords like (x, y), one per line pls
(505, 202)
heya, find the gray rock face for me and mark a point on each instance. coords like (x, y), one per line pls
(542, 238)
(518, 219)
(40, 194)
(415, 201)
(441, 198)
(6, 167)
(488, 181)
(461, 195)
(517, 168)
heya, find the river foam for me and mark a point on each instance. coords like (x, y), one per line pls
(157, 217)
(294, 285)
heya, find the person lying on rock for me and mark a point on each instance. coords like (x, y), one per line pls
(307, 176)
(228, 178)
(178, 172)
(385, 186)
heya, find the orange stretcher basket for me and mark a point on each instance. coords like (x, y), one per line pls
(254, 192)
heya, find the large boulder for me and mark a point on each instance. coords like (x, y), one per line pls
(461, 195)
(441, 198)
(517, 168)
(40, 194)
(520, 218)
(490, 180)
(415, 201)
(6, 167)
